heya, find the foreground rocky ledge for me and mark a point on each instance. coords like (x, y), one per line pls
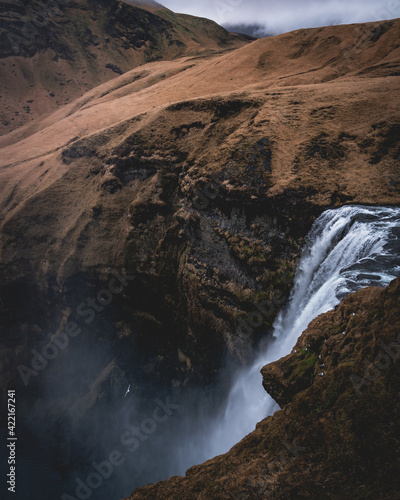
(337, 434)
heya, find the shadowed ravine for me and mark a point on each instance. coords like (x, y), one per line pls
(337, 388)
(347, 249)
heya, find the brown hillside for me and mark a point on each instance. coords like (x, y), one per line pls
(122, 164)
(53, 52)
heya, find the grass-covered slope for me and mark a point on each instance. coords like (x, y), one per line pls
(52, 52)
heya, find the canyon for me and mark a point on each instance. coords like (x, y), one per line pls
(197, 173)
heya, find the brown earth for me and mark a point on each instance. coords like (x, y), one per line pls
(337, 434)
(53, 52)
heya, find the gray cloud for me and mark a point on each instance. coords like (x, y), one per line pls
(286, 15)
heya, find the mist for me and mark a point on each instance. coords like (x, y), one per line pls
(97, 427)
(288, 15)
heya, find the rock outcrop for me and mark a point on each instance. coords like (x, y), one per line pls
(205, 199)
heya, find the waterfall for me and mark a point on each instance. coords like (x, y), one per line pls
(347, 249)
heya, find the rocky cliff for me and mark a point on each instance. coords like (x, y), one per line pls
(336, 435)
(201, 177)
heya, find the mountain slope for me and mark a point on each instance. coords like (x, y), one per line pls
(126, 162)
(51, 53)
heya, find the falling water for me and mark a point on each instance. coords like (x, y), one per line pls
(347, 249)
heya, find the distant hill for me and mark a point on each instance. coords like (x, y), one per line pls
(254, 30)
(52, 52)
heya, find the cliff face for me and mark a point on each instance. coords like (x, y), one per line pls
(336, 435)
(53, 52)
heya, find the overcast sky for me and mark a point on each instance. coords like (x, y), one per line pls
(279, 16)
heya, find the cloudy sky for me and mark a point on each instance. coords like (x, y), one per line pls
(279, 16)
